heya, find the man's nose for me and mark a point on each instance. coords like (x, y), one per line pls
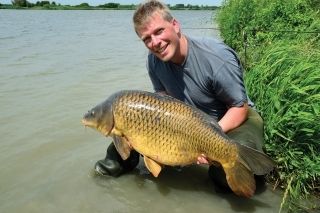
(155, 40)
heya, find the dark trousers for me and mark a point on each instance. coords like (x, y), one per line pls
(250, 133)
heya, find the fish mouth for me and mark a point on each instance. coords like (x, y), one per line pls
(85, 123)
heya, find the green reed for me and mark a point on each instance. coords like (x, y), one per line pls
(285, 85)
(272, 20)
(279, 43)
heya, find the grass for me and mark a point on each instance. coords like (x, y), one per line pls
(286, 88)
(279, 41)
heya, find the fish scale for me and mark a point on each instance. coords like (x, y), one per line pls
(164, 129)
(167, 131)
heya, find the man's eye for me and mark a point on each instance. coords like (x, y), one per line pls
(146, 40)
(160, 31)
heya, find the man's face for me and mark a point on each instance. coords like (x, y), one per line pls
(161, 37)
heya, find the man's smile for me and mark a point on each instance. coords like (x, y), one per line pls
(162, 49)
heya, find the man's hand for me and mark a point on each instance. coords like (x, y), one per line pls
(203, 160)
(163, 92)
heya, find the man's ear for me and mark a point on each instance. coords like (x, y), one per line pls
(176, 25)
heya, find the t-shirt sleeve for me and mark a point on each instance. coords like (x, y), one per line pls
(228, 83)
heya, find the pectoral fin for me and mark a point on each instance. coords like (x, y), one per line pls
(121, 144)
(153, 166)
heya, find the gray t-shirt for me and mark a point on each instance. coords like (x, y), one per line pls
(211, 77)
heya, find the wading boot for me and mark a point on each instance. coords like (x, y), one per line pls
(217, 177)
(114, 165)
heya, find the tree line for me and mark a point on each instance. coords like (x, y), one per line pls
(111, 5)
(25, 3)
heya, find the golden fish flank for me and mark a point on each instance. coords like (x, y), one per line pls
(170, 132)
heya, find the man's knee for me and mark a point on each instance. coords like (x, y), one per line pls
(250, 133)
(249, 143)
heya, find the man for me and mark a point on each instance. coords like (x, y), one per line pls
(202, 72)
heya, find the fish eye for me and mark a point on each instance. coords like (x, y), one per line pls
(92, 112)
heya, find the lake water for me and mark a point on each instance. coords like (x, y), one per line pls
(56, 65)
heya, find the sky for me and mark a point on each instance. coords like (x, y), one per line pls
(126, 2)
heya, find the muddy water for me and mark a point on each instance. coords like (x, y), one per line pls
(54, 66)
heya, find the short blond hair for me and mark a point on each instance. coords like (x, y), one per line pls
(146, 10)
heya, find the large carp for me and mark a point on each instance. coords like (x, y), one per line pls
(169, 132)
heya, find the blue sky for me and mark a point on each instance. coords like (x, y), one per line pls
(98, 2)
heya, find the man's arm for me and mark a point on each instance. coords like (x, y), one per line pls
(234, 117)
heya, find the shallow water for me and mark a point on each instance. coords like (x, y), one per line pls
(54, 66)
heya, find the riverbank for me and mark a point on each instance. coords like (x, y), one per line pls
(279, 48)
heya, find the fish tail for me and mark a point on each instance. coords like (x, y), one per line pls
(240, 174)
(240, 179)
(255, 161)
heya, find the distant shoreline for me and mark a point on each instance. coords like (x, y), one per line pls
(86, 6)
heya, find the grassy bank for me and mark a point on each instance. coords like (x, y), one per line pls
(278, 41)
